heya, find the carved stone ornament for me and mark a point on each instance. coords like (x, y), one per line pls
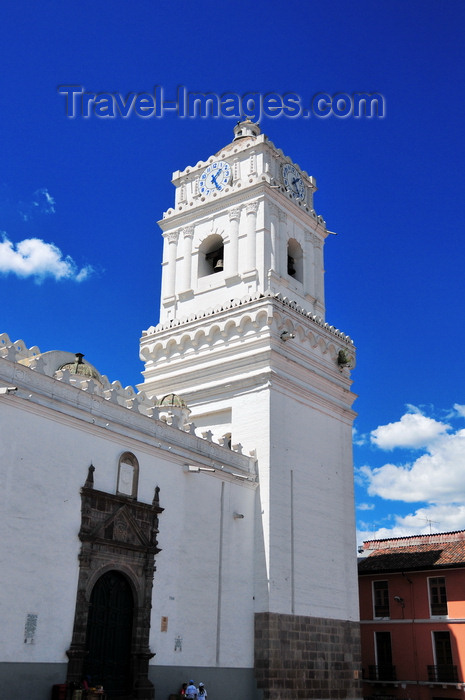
(252, 207)
(118, 536)
(188, 232)
(235, 214)
(172, 236)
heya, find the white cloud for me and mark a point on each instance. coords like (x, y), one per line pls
(426, 520)
(35, 258)
(358, 438)
(459, 409)
(411, 408)
(365, 506)
(42, 203)
(435, 477)
(414, 430)
(434, 480)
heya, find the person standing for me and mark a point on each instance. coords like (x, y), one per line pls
(191, 691)
(202, 695)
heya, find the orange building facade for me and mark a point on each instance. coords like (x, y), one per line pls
(412, 616)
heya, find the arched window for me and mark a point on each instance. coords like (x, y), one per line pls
(295, 267)
(128, 475)
(211, 256)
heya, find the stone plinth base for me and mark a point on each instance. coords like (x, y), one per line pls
(299, 658)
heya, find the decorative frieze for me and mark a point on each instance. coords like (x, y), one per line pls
(205, 313)
(236, 320)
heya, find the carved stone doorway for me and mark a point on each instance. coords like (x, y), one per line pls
(116, 568)
(109, 635)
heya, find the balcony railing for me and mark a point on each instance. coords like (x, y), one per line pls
(382, 673)
(445, 673)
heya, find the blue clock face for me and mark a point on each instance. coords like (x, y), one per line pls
(293, 181)
(215, 177)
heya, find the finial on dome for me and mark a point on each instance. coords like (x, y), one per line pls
(246, 128)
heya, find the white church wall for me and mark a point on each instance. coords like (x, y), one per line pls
(200, 573)
(41, 518)
(46, 457)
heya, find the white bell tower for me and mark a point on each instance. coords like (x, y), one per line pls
(242, 338)
(251, 229)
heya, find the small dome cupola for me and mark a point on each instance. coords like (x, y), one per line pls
(172, 401)
(246, 129)
(172, 406)
(81, 368)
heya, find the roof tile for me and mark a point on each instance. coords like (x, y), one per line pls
(415, 556)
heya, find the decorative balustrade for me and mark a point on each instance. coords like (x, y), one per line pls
(382, 673)
(443, 673)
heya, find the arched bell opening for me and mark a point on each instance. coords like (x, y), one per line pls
(211, 256)
(295, 260)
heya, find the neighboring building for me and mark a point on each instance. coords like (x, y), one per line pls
(235, 458)
(412, 611)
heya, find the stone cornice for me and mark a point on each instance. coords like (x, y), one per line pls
(135, 430)
(240, 193)
(256, 144)
(79, 397)
(177, 323)
(248, 327)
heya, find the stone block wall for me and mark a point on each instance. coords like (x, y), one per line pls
(299, 657)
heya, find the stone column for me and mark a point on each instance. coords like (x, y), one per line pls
(170, 268)
(188, 235)
(232, 260)
(251, 211)
(319, 274)
(274, 237)
(282, 244)
(309, 265)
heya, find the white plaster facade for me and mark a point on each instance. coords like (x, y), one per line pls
(54, 425)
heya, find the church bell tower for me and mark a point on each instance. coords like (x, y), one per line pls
(242, 338)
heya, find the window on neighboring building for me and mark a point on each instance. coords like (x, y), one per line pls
(437, 595)
(444, 670)
(381, 598)
(385, 671)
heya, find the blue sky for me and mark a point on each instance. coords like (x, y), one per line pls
(79, 200)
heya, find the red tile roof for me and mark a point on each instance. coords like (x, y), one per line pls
(414, 556)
